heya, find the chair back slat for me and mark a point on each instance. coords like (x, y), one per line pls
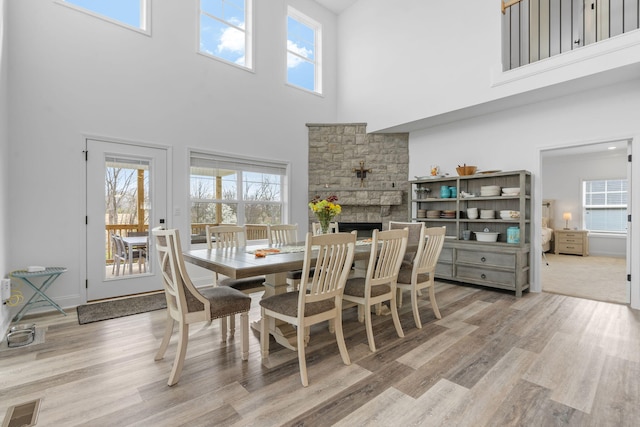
(225, 236)
(256, 231)
(431, 242)
(335, 254)
(283, 234)
(387, 251)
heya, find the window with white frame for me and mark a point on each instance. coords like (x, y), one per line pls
(130, 13)
(304, 51)
(225, 30)
(605, 205)
(231, 190)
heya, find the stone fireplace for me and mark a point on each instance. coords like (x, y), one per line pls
(335, 155)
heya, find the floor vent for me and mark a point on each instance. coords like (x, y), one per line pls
(23, 415)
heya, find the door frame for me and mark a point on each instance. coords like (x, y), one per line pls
(169, 193)
(633, 233)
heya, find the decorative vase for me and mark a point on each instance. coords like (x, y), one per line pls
(324, 225)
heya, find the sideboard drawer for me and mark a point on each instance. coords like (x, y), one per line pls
(485, 258)
(476, 274)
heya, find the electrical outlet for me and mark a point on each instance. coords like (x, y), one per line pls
(5, 289)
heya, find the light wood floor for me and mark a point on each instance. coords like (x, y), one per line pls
(493, 360)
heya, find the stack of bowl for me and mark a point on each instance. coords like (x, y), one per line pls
(489, 190)
(487, 214)
(511, 191)
(510, 214)
(448, 214)
(422, 213)
(433, 214)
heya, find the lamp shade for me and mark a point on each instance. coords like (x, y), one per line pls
(566, 216)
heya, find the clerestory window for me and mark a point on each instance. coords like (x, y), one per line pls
(304, 51)
(226, 31)
(128, 13)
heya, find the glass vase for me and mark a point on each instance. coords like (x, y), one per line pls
(324, 225)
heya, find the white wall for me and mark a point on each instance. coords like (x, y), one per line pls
(562, 177)
(400, 64)
(4, 162)
(513, 140)
(72, 74)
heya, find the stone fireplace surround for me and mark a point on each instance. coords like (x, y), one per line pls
(335, 152)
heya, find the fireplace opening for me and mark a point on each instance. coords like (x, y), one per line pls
(364, 229)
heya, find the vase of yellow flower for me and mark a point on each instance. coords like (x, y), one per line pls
(325, 210)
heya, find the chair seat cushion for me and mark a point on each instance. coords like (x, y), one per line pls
(245, 284)
(287, 304)
(297, 274)
(404, 276)
(356, 287)
(226, 301)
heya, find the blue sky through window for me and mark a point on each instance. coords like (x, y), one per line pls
(125, 11)
(300, 46)
(222, 30)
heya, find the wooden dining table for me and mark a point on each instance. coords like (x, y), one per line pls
(238, 263)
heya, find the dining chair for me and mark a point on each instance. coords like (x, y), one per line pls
(415, 228)
(232, 237)
(119, 255)
(379, 283)
(420, 273)
(283, 234)
(320, 298)
(286, 234)
(316, 229)
(256, 231)
(186, 304)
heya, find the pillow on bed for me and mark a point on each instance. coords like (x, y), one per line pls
(545, 222)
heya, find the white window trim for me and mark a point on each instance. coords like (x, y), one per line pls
(145, 16)
(317, 27)
(248, 38)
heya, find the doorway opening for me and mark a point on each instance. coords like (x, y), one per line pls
(592, 264)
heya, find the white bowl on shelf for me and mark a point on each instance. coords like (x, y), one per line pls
(486, 236)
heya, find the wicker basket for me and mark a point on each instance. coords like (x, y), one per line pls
(466, 170)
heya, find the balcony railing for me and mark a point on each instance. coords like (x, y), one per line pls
(536, 29)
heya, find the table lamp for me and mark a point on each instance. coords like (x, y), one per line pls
(567, 217)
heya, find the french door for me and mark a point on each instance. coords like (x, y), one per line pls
(126, 188)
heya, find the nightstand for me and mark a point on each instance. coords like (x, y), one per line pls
(575, 242)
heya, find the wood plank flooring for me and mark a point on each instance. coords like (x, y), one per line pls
(493, 360)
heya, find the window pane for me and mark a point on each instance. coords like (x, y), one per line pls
(221, 40)
(301, 73)
(260, 186)
(606, 220)
(301, 38)
(223, 30)
(124, 11)
(256, 213)
(302, 53)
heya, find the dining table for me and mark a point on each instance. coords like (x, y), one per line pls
(241, 262)
(131, 243)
